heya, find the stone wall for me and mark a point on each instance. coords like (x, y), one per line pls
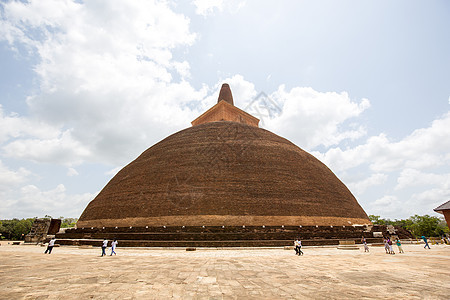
(217, 236)
(39, 231)
(41, 228)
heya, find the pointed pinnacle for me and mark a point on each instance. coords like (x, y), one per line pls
(225, 94)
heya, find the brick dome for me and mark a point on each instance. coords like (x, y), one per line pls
(224, 174)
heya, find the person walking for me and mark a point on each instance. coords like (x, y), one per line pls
(296, 246)
(399, 245)
(104, 245)
(391, 249)
(113, 247)
(426, 242)
(364, 242)
(50, 246)
(386, 245)
(300, 252)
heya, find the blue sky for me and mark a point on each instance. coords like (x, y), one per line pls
(86, 87)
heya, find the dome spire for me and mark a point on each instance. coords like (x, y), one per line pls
(225, 110)
(225, 94)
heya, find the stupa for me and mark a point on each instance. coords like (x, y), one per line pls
(223, 173)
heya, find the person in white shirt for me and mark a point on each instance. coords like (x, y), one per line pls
(105, 244)
(300, 252)
(298, 247)
(50, 246)
(364, 242)
(113, 247)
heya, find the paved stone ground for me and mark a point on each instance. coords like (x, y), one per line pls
(322, 273)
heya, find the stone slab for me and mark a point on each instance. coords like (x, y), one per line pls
(140, 273)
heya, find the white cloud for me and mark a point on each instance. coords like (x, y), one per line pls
(106, 76)
(412, 164)
(361, 186)
(312, 118)
(9, 178)
(423, 148)
(430, 198)
(386, 205)
(62, 150)
(405, 205)
(210, 7)
(72, 172)
(31, 201)
(434, 189)
(207, 7)
(14, 126)
(24, 201)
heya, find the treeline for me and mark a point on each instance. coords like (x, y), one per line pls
(418, 225)
(68, 222)
(16, 229)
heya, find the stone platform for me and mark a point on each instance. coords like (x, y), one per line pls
(218, 236)
(139, 273)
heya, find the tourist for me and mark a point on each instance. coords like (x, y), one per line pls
(50, 246)
(391, 249)
(386, 245)
(426, 242)
(364, 242)
(296, 246)
(105, 244)
(399, 245)
(300, 252)
(113, 247)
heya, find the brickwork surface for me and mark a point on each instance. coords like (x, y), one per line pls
(224, 111)
(322, 273)
(218, 236)
(224, 173)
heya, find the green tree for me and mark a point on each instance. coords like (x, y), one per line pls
(15, 229)
(68, 222)
(376, 220)
(418, 225)
(427, 225)
(1, 231)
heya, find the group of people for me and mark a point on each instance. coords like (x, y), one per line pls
(298, 247)
(114, 244)
(388, 246)
(444, 240)
(364, 242)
